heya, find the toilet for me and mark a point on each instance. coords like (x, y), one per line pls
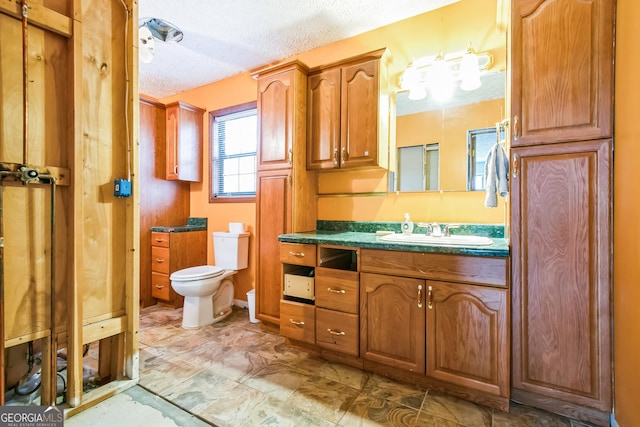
(208, 289)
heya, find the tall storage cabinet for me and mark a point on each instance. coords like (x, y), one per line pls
(561, 117)
(285, 193)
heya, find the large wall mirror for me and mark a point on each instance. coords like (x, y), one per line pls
(441, 130)
(435, 140)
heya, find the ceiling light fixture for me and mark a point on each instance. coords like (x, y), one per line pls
(162, 30)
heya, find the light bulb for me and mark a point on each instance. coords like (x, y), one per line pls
(469, 71)
(440, 80)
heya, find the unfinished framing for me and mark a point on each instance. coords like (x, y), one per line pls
(68, 247)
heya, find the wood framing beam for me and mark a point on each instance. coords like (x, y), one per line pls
(40, 16)
(104, 329)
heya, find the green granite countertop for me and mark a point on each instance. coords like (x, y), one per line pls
(340, 235)
(193, 224)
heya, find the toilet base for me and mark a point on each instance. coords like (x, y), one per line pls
(202, 311)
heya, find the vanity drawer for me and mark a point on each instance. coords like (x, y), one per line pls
(490, 271)
(160, 286)
(160, 259)
(159, 239)
(337, 331)
(297, 321)
(297, 253)
(337, 289)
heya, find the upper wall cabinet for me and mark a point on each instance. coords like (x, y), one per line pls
(184, 142)
(562, 51)
(281, 100)
(348, 114)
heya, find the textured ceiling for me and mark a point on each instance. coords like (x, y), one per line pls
(223, 38)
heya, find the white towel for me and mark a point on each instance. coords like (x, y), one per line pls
(496, 172)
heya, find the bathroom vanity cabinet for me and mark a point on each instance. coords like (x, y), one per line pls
(173, 251)
(436, 319)
(349, 113)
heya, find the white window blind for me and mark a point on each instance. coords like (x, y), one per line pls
(234, 155)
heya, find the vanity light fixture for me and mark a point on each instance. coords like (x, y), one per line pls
(440, 73)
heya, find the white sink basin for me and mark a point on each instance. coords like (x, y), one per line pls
(456, 240)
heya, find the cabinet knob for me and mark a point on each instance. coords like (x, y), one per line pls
(159, 287)
(159, 260)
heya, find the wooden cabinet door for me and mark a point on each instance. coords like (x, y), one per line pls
(392, 321)
(468, 336)
(323, 120)
(184, 142)
(282, 103)
(360, 103)
(561, 245)
(273, 209)
(562, 66)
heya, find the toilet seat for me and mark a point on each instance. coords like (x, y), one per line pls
(198, 272)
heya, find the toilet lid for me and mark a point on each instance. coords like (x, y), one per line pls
(199, 272)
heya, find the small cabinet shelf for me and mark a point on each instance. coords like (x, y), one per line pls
(184, 142)
(349, 113)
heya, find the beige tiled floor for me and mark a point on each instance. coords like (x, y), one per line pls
(233, 373)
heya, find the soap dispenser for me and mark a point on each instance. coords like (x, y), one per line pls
(407, 225)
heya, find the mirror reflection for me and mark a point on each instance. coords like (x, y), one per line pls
(441, 144)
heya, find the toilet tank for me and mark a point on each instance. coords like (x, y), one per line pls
(231, 250)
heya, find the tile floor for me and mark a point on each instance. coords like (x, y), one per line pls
(234, 373)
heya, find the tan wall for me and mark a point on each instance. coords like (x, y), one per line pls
(626, 213)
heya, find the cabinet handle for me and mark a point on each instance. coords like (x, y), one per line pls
(290, 159)
(419, 296)
(296, 323)
(338, 333)
(430, 296)
(344, 155)
(337, 291)
(297, 254)
(159, 287)
(159, 240)
(159, 260)
(335, 157)
(515, 166)
(516, 128)
(175, 170)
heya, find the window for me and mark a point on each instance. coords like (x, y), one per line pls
(419, 167)
(234, 134)
(479, 142)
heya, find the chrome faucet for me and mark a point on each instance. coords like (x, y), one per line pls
(428, 228)
(449, 227)
(436, 231)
